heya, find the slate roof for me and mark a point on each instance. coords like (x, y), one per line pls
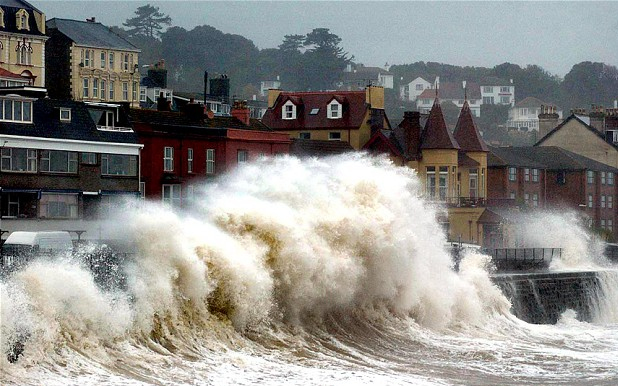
(47, 124)
(530, 102)
(449, 90)
(17, 4)
(354, 110)
(436, 135)
(544, 157)
(10, 8)
(90, 34)
(173, 118)
(581, 121)
(315, 148)
(365, 73)
(466, 133)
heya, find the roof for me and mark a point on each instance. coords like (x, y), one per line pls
(18, 4)
(530, 102)
(466, 133)
(173, 118)
(11, 7)
(495, 81)
(315, 148)
(8, 74)
(354, 110)
(46, 124)
(449, 90)
(90, 34)
(464, 160)
(578, 119)
(544, 157)
(436, 135)
(364, 73)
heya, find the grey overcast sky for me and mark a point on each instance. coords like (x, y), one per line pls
(555, 35)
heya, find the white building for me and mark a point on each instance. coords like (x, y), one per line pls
(498, 92)
(266, 85)
(451, 92)
(525, 114)
(409, 92)
(359, 77)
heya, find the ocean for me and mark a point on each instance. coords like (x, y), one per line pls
(287, 272)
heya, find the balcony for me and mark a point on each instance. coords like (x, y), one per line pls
(461, 202)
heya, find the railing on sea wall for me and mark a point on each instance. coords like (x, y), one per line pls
(522, 258)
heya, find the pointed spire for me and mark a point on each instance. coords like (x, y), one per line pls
(466, 133)
(436, 135)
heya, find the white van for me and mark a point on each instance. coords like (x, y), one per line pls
(22, 246)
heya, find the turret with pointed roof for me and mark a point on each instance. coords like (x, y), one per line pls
(436, 135)
(466, 134)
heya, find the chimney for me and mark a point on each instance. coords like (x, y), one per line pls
(273, 94)
(241, 112)
(548, 120)
(158, 74)
(597, 117)
(91, 20)
(411, 126)
(376, 120)
(374, 97)
(194, 111)
(162, 103)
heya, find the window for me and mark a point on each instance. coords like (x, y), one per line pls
(602, 201)
(512, 174)
(289, 110)
(304, 135)
(103, 59)
(535, 175)
(210, 161)
(142, 94)
(505, 100)
(603, 178)
(610, 178)
(172, 195)
(89, 159)
(125, 91)
(610, 225)
(190, 192)
(527, 198)
(111, 89)
(168, 159)
(134, 91)
(535, 200)
(95, 88)
(590, 201)
(1, 18)
(190, 160)
(15, 110)
(87, 58)
(488, 100)
(24, 53)
(526, 174)
(142, 190)
(111, 60)
(118, 165)
(86, 92)
(431, 181)
(334, 136)
(473, 174)
(57, 161)
(65, 115)
(22, 19)
(58, 206)
(18, 160)
(334, 110)
(443, 183)
(243, 156)
(505, 89)
(610, 202)
(512, 195)
(561, 178)
(125, 61)
(590, 177)
(523, 111)
(488, 89)
(102, 89)
(419, 87)
(314, 111)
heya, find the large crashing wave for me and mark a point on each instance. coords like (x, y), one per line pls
(280, 240)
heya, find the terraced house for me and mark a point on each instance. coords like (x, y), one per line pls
(91, 63)
(22, 42)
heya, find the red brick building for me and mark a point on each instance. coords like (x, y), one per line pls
(182, 149)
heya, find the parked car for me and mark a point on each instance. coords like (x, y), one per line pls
(21, 247)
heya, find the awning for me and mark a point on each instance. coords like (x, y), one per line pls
(17, 190)
(119, 193)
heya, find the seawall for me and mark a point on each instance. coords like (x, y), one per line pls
(541, 297)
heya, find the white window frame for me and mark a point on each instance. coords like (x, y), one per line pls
(190, 160)
(168, 159)
(430, 178)
(526, 174)
(535, 175)
(67, 114)
(171, 194)
(131, 161)
(125, 91)
(590, 177)
(512, 174)
(103, 59)
(72, 161)
(334, 110)
(288, 110)
(334, 136)
(210, 161)
(242, 156)
(6, 154)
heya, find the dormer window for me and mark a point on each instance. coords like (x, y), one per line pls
(22, 19)
(65, 115)
(334, 110)
(288, 111)
(2, 18)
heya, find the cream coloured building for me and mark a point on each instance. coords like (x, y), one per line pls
(22, 41)
(91, 63)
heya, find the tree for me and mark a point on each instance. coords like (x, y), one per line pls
(292, 43)
(148, 22)
(324, 59)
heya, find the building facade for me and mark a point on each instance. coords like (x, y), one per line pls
(22, 41)
(497, 92)
(524, 115)
(88, 62)
(348, 116)
(454, 93)
(409, 92)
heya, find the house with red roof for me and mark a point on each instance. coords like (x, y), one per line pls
(452, 166)
(349, 116)
(456, 93)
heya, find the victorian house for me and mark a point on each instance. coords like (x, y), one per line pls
(89, 62)
(22, 42)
